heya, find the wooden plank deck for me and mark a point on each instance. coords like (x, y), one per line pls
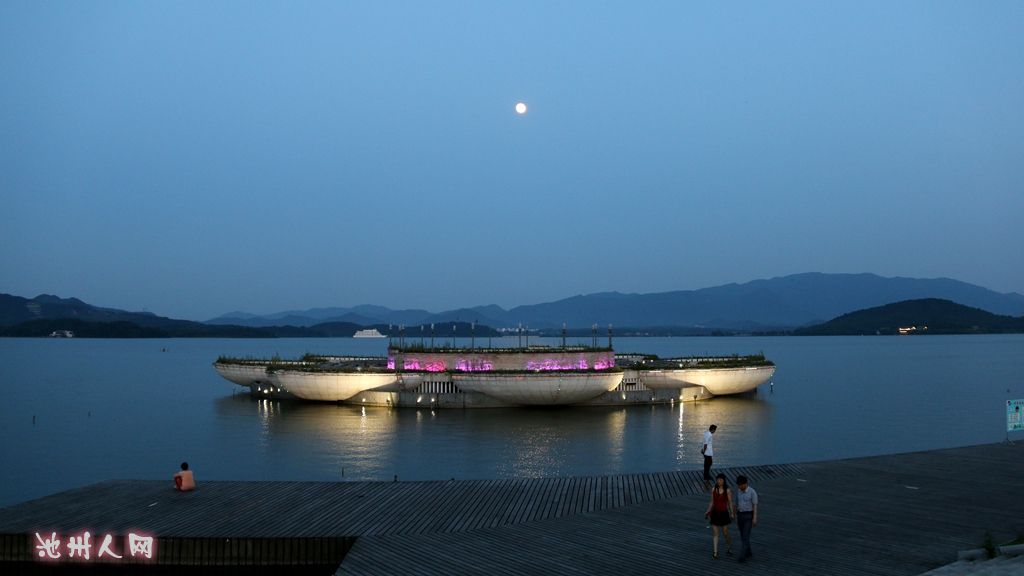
(225, 522)
(888, 515)
(900, 514)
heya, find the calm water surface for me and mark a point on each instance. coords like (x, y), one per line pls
(79, 411)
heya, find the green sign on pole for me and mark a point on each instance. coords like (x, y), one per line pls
(1014, 421)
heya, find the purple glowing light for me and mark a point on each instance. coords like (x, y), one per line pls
(474, 366)
(416, 365)
(553, 364)
(477, 364)
(436, 366)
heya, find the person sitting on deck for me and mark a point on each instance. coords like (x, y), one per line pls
(183, 480)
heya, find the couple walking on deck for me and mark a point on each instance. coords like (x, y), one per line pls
(721, 509)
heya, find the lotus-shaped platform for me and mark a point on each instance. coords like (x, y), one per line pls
(539, 388)
(717, 381)
(243, 374)
(330, 386)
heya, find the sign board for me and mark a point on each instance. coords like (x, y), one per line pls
(1014, 420)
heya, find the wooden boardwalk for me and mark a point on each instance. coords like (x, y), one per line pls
(901, 514)
(229, 522)
(888, 515)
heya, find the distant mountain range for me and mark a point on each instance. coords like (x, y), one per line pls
(782, 303)
(927, 316)
(774, 305)
(45, 314)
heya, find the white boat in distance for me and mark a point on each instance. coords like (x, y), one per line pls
(368, 333)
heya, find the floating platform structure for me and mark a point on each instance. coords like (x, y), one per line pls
(417, 376)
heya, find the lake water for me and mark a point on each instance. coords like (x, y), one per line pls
(78, 411)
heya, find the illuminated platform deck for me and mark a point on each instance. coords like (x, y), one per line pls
(900, 514)
(416, 377)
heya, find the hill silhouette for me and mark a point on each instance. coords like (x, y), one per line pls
(43, 315)
(924, 316)
(774, 304)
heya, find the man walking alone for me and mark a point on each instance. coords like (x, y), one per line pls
(708, 451)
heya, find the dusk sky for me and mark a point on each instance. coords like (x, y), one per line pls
(195, 158)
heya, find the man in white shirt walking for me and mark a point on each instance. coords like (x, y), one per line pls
(708, 451)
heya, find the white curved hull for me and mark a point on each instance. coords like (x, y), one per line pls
(330, 386)
(542, 388)
(243, 374)
(717, 381)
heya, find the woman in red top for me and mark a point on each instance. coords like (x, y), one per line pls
(721, 513)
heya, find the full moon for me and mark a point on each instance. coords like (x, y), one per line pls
(520, 108)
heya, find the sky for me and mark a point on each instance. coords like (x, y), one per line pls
(197, 158)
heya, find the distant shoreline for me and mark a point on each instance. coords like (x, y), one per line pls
(927, 316)
(482, 344)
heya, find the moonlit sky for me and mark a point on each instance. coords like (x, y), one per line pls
(194, 158)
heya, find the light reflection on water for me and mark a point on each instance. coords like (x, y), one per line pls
(79, 411)
(374, 442)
